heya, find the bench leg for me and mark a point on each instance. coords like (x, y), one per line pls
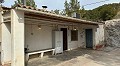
(53, 53)
(42, 54)
(26, 59)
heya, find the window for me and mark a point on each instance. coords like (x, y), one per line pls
(74, 35)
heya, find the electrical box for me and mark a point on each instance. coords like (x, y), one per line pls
(75, 15)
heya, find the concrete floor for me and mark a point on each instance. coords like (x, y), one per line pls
(80, 57)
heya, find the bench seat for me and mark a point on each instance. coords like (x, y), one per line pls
(41, 52)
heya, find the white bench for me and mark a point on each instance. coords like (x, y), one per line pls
(37, 52)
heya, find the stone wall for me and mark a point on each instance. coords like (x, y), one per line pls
(112, 32)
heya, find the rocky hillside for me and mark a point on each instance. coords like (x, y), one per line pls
(102, 13)
(112, 32)
(118, 15)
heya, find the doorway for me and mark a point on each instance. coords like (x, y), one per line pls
(89, 38)
(64, 38)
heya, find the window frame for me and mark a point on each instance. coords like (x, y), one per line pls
(74, 35)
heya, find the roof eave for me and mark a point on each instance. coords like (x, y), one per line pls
(58, 16)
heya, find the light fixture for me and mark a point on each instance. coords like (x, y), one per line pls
(74, 28)
(39, 27)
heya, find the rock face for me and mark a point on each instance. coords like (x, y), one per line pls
(117, 16)
(112, 33)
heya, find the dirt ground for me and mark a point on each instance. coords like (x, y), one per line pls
(80, 57)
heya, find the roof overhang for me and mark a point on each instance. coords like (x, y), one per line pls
(4, 9)
(56, 17)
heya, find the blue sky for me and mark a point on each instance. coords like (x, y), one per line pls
(59, 4)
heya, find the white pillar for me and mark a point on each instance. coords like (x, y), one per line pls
(6, 42)
(17, 30)
(1, 19)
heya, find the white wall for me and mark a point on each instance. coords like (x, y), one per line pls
(41, 39)
(99, 35)
(17, 38)
(1, 19)
(5, 40)
(73, 44)
(81, 37)
(35, 42)
(6, 43)
(0, 36)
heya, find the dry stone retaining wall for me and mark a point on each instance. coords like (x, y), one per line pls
(112, 33)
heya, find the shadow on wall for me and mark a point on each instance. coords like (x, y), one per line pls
(8, 25)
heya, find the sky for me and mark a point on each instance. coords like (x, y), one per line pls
(59, 4)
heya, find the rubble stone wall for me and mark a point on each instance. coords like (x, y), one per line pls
(112, 32)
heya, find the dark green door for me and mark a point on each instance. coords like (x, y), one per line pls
(89, 38)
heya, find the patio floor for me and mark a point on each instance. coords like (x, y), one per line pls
(80, 57)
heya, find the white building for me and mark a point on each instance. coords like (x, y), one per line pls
(25, 28)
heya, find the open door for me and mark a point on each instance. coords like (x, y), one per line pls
(64, 38)
(89, 38)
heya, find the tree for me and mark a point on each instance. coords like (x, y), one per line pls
(82, 12)
(72, 6)
(67, 10)
(107, 13)
(28, 3)
(57, 11)
(102, 13)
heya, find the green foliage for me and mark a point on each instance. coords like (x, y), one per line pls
(72, 6)
(107, 13)
(82, 12)
(57, 11)
(28, 3)
(117, 16)
(102, 13)
(60, 12)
